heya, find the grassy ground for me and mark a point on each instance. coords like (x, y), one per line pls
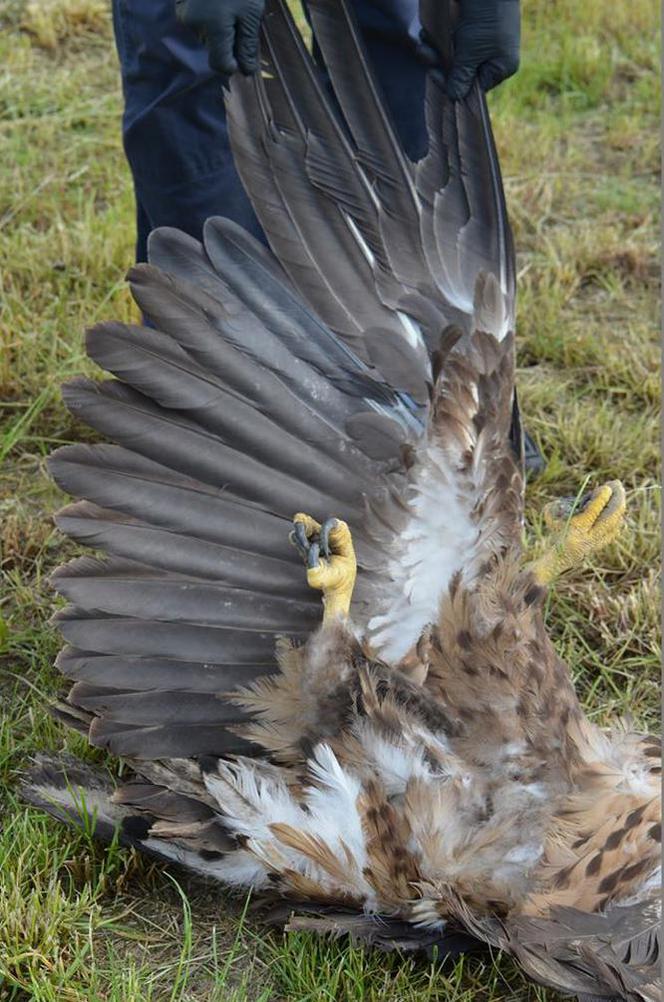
(577, 130)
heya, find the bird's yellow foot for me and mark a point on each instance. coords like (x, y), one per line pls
(582, 527)
(330, 558)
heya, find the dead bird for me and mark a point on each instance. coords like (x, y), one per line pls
(416, 768)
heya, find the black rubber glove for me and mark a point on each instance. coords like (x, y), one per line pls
(229, 29)
(486, 44)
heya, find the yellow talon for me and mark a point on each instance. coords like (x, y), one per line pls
(581, 532)
(333, 574)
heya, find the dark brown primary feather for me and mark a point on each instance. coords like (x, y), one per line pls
(431, 765)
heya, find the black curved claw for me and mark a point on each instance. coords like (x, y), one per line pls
(573, 505)
(326, 528)
(584, 501)
(298, 537)
(313, 556)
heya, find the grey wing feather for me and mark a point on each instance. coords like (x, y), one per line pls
(91, 630)
(275, 381)
(239, 566)
(141, 674)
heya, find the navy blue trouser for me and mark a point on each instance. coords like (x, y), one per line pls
(174, 127)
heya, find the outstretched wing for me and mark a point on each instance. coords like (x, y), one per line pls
(431, 263)
(363, 368)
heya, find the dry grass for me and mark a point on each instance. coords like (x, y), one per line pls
(51, 23)
(577, 130)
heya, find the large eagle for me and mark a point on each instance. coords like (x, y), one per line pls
(415, 767)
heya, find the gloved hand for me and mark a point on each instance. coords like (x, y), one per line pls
(229, 29)
(486, 43)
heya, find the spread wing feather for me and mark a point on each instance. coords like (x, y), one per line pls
(140, 674)
(320, 375)
(236, 566)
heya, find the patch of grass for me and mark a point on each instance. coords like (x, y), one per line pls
(306, 968)
(577, 130)
(52, 22)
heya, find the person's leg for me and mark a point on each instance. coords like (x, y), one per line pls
(174, 125)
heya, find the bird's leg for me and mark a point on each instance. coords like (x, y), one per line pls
(330, 558)
(581, 528)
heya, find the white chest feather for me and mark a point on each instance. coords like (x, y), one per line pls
(434, 544)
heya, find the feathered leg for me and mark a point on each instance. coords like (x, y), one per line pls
(581, 530)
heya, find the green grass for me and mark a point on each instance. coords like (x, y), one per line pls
(578, 135)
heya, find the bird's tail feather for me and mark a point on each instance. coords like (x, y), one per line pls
(85, 797)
